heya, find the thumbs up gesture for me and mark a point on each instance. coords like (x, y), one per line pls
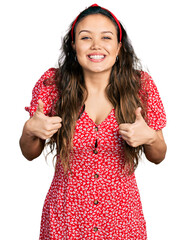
(40, 107)
(137, 133)
(42, 126)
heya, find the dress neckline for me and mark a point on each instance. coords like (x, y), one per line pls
(112, 110)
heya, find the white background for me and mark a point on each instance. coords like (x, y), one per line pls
(30, 39)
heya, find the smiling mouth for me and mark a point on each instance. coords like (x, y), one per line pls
(96, 57)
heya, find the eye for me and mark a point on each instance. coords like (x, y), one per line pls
(107, 38)
(85, 38)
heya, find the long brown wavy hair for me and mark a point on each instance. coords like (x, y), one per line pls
(122, 91)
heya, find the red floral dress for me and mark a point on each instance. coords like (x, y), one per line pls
(98, 201)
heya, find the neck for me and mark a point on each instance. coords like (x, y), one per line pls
(96, 82)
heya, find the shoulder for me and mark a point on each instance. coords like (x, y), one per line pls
(146, 80)
(46, 84)
(46, 90)
(155, 109)
(48, 75)
(148, 87)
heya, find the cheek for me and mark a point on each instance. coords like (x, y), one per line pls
(112, 49)
(81, 48)
(81, 55)
(116, 50)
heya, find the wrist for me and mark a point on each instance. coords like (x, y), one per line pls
(28, 129)
(152, 137)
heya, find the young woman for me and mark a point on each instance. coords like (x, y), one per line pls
(99, 110)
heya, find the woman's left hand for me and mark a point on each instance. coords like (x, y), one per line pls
(137, 133)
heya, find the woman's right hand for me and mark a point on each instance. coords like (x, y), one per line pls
(42, 126)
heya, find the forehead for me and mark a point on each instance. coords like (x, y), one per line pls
(96, 22)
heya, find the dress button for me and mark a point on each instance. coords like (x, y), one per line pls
(96, 143)
(96, 202)
(95, 151)
(96, 129)
(95, 229)
(96, 175)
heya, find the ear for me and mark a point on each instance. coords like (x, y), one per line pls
(119, 46)
(73, 46)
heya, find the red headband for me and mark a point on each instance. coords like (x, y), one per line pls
(95, 5)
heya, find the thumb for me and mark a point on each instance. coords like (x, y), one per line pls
(138, 114)
(40, 106)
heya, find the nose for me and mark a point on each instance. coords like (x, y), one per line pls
(95, 44)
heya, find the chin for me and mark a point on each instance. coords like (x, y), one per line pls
(98, 69)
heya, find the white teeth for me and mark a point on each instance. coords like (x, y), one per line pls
(96, 56)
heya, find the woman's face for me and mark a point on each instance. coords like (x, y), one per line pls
(96, 43)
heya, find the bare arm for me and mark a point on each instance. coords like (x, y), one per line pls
(31, 146)
(36, 130)
(155, 151)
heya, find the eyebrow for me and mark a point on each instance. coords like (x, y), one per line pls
(107, 32)
(91, 32)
